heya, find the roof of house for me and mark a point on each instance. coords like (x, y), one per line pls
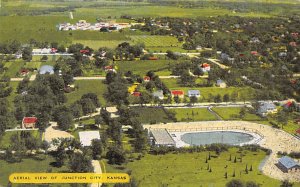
(298, 131)
(177, 92)
(86, 137)
(146, 78)
(29, 120)
(46, 69)
(193, 92)
(158, 93)
(162, 137)
(205, 65)
(288, 162)
(137, 94)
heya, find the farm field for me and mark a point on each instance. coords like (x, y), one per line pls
(192, 114)
(87, 86)
(141, 67)
(156, 41)
(189, 169)
(207, 92)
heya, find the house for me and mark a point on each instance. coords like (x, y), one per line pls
(84, 51)
(109, 69)
(205, 67)
(177, 93)
(153, 58)
(293, 44)
(159, 94)
(266, 108)
(29, 122)
(254, 40)
(255, 53)
(195, 93)
(86, 137)
(147, 79)
(136, 94)
(288, 165)
(220, 83)
(46, 69)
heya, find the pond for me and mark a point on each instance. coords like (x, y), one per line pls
(224, 137)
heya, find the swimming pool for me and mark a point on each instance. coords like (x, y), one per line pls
(224, 137)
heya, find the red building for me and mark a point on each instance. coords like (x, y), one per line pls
(29, 122)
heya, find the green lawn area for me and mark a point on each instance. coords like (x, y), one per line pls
(32, 65)
(5, 140)
(96, 44)
(232, 113)
(13, 68)
(141, 67)
(13, 94)
(291, 127)
(29, 165)
(193, 114)
(188, 169)
(151, 115)
(205, 92)
(87, 86)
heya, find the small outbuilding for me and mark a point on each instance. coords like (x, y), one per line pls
(161, 137)
(29, 122)
(287, 165)
(195, 93)
(220, 83)
(159, 94)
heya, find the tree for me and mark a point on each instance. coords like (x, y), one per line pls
(226, 98)
(97, 148)
(93, 97)
(252, 184)
(115, 155)
(218, 99)
(44, 58)
(172, 55)
(286, 183)
(65, 120)
(282, 118)
(176, 99)
(27, 54)
(88, 106)
(193, 100)
(80, 163)
(235, 183)
(76, 110)
(187, 79)
(145, 98)
(242, 112)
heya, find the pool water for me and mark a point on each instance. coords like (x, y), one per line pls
(224, 137)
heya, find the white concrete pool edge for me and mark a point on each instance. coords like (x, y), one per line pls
(257, 139)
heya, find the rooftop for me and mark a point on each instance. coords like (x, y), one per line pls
(162, 137)
(288, 162)
(86, 137)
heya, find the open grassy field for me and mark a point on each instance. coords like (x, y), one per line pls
(190, 169)
(193, 114)
(160, 67)
(151, 115)
(5, 141)
(13, 68)
(87, 86)
(29, 165)
(205, 92)
(233, 113)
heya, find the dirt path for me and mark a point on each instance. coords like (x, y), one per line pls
(273, 139)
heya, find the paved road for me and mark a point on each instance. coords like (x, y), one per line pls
(98, 170)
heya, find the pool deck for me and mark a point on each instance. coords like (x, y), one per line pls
(273, 139)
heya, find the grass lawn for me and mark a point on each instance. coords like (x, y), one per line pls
(13, 68)
(141, 67)
(29, 165)
(96, 44)
(189, 169)
(13, 94)
(87, 86)
(193, 114)
(32, 65)
(5, 140)
(232, 113)
(151, 115)
(291, 127)
(205, 92)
